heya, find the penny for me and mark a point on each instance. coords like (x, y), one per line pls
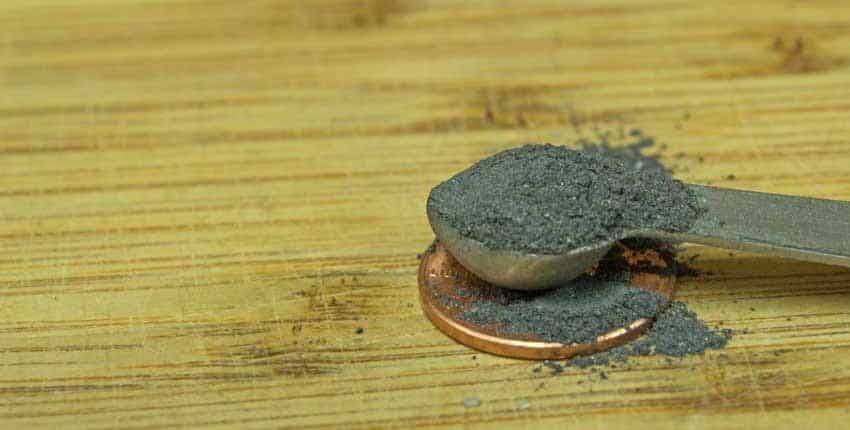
(448, 291)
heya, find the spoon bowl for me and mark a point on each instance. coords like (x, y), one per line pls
(514, 269)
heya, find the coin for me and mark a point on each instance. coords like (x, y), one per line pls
(444, 291)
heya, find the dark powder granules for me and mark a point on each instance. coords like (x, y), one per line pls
(676, 332)
(593, 305)
(631, 154)
(579, 312)
(549, 199)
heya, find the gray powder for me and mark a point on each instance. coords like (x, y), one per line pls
(609, 188)
(631, 154)
(578, 312)
(549, 199)
(594, 305)
(676, 332)
(471, 402)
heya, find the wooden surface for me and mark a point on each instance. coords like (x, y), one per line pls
(203, 200)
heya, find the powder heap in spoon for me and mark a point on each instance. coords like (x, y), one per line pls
(547, 199)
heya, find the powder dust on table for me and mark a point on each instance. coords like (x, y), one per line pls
(677, 332)
(631, 154)
(593, 305)
(550, 199)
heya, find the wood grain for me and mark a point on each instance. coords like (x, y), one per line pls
(202, 200)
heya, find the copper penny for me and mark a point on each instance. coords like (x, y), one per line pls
(444, 293)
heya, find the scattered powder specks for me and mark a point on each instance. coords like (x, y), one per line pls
(556, 368)
(523, 404)
(676, 332)
(631, 154)
(471, 402)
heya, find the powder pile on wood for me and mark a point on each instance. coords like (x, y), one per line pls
(548, 199)
(676, 332)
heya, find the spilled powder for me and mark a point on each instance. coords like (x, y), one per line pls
(631, 154)
(471, 402)
(579, 312)
(593, 305)
(677, 332)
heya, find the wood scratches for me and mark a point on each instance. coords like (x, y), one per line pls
(67, 388)
(683, 401)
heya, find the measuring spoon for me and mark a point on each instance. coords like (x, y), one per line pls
(801, 228)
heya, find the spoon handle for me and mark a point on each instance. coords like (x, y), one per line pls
(802, 228)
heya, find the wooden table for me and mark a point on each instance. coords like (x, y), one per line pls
(203, 201)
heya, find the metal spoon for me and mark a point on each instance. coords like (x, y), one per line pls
(801, 228)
